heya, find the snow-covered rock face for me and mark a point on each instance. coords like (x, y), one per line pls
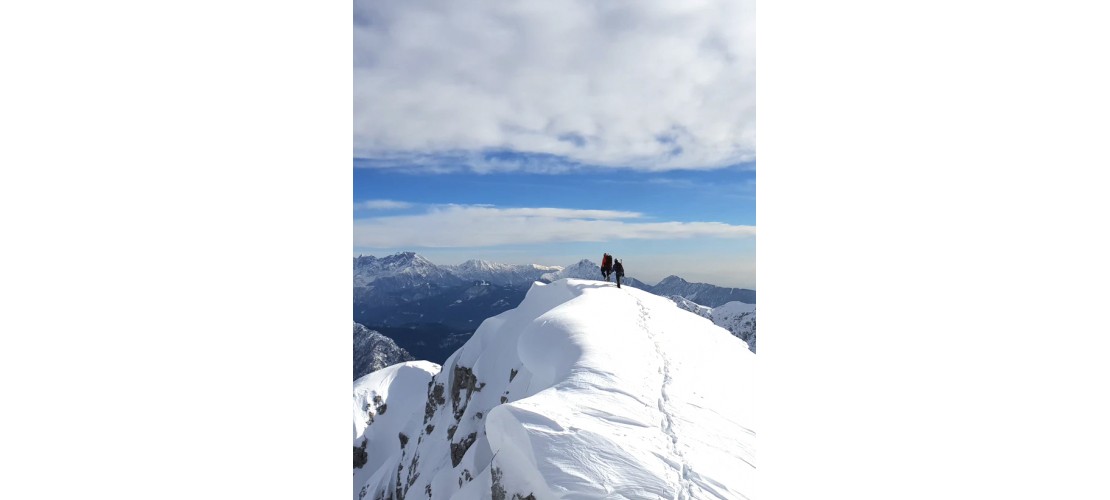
(374, 351)
(582, 391)
(380, 426)
(700, 310)
(739, 319)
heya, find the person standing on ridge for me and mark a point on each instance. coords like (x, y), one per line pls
(619, 269)
(606, 266)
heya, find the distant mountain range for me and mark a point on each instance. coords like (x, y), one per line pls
(702, 293)
(430, 310)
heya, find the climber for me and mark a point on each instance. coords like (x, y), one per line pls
(619, 269)
(606, 266)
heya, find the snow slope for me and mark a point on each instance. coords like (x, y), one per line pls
(582, 391)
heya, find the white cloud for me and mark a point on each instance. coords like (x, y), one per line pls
(650, 84)
(382, 205)
(482, 226)
(560, 213)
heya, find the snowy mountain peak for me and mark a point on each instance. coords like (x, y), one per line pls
(407, 259)
(480, 265)
(582, 391)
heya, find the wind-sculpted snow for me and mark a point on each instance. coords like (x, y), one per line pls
(582, 391)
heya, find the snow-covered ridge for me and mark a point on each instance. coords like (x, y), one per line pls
(582, 391)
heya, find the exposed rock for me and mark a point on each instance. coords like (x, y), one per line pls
(458, 450)
(435, 398)
(462, 378)
(497, 492)
(361, 457)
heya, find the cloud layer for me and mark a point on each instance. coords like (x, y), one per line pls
(483, 226)
(650, 84)
(381, 205)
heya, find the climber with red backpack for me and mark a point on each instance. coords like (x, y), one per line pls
(606, 266)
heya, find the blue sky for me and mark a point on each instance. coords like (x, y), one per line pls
(542, 133)
(725, 195)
